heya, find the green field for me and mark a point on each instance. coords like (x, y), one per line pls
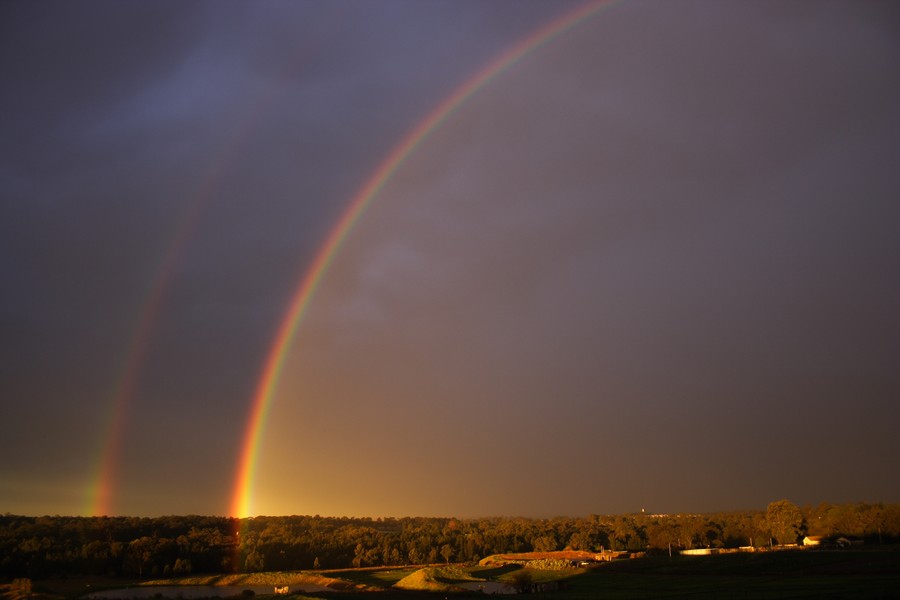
(870, 573)
(770, 575)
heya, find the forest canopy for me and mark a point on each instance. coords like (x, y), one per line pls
(50, 546)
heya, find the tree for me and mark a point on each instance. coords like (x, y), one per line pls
(254, 562)
(358, 555)
(873, 518)
(663, 535)
(140, 554)
(784, 520)
(447, 552)
(544, 543)
(624, 534)
(580, 540)
(182, 566)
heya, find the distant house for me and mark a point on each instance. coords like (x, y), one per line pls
(700, 551)
(821, 541)
(813, 540)
(282, 591)
(610, 555)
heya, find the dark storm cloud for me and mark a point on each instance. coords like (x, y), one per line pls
(120, 119)
(654, 233)
(676, 256)
(70, 64)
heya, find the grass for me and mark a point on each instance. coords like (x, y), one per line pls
(492, 572)
(383, 578)
(869, 573)
(273, 578)
(618, 586)
(772, 575)
(73, 587)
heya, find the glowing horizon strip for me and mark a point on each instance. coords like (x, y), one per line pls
(271, 372)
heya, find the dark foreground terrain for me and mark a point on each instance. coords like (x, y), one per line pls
(787, 574)
(869, 573)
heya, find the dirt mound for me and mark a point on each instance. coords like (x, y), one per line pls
(427, 580)
(331, 583)
(521, 557)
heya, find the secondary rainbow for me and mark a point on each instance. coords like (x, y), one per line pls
(104, 479)
(271, 372)
(100, 494)
(100, 500)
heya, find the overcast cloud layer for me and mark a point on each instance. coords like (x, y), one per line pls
(654, 264)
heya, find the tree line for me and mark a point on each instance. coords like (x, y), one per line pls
(56, 546)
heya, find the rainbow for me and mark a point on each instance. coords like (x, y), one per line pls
(103, 481)
(99, 496)
(100, 493)
(274, 363)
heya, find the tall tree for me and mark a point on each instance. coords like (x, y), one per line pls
(784, 520)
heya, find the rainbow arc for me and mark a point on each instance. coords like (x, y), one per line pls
(242, 497)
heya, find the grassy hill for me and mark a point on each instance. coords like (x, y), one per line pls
(868, 573)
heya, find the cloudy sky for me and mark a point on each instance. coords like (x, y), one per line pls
(654, 264)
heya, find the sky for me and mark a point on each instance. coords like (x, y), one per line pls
(652, 263)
